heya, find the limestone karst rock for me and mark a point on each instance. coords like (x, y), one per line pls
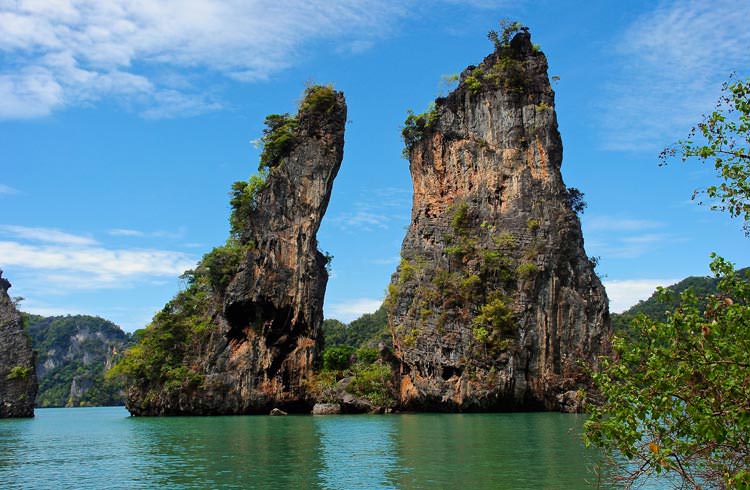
(495, 302)
(18, 383)
(244, 337)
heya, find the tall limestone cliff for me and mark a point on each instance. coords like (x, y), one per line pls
(245, 334)
(495, 302)
(18, 383)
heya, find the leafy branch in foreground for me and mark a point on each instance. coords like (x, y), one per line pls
(677, 394)
(723, 138)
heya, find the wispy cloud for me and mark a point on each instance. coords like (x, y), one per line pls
(57, 261)
(364, 220)
(376, 209)
(92, 267)
(48, 235)
(129, 232)
(7, 190)
(625, 293)
(623, 237)
(618, 223)
(387, 261)
(347, 311)
(630, 246)
(670, 63)
(65, 53)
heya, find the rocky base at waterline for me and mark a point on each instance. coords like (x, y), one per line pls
(245, 335)
(495, 304)
(18, 383)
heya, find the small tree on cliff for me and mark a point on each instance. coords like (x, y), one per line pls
(676, 397)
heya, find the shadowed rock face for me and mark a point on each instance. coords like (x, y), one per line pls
(266, 325)
(495, 301)
(18, 383)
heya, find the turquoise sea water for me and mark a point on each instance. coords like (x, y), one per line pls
(97, 448)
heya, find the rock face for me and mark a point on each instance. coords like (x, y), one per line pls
(74, 352)
(262, 331)
(495, 301)
(18, 382)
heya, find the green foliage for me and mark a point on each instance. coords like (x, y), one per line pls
(506, 240)
(496, 265)
(495, 315)
(541, 107)
(474, 81)
(676, 399)
(160, 356)
(533, 224)
(18, 372)
(460, 217)
(318, 98)
(337, 358)
(416, 126)
(526, 270)
(574, 197)
(244, 201)
(277, 140)
(371, 382)
(366, 355)
(723, 139)
(508, 73)
(661, 303)
(508, 28)
(220, 265)
(57, 341)
(405, 271)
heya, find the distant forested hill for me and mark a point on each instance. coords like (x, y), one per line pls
(656, 309)
(367, 330)
(73, 353)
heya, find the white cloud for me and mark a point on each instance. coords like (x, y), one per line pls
(377, 209)
(48, 235)
(128, 232)
(670, 63)
(630, 247)
(347, 311)
(69, 52)
(625, 293)
(125, 232)
(7, 190)
(388, 261)
(103, 263)
(363, 220)
(618, 223)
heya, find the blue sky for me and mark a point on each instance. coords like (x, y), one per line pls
(123, 125)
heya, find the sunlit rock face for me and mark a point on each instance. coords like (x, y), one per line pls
(495, 304)
(18, 382)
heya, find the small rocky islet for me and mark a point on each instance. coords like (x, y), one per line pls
(18, 381)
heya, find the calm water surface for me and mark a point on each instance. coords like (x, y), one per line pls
(93, 448)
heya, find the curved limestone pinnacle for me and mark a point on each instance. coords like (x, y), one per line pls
(263, 335)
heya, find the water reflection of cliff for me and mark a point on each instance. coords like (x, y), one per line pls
(228, 452)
